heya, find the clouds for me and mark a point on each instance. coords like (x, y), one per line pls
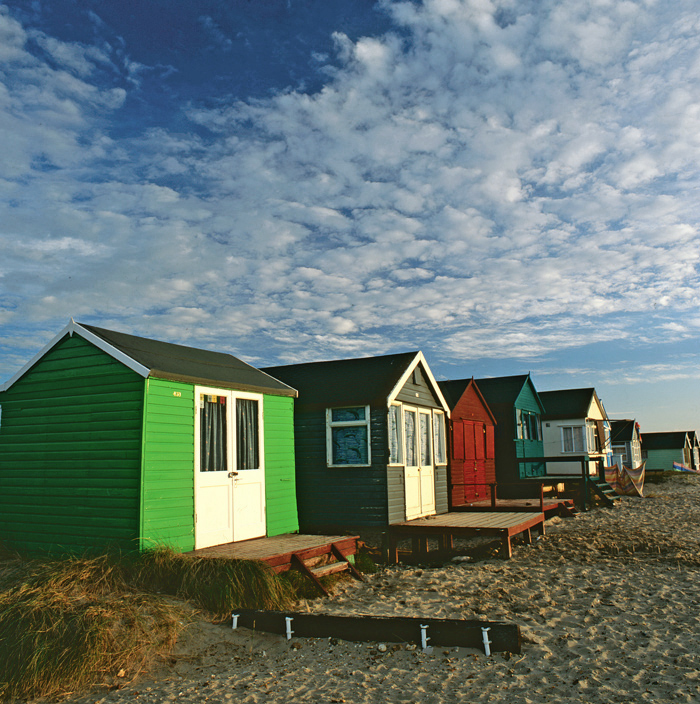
(483, 179)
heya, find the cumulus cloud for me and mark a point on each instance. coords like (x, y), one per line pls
(489, 179)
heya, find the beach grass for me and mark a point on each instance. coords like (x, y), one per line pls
(70, 623)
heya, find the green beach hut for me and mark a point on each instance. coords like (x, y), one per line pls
(108, 440)
(518, 410)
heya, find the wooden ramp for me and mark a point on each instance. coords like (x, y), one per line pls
(313, 555)
(447, 526)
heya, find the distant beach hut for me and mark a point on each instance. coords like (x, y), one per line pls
(661, 450)
(370, 441)
(625, 440)
(472, 464)
(518, 410)
(575, 423)
(112, 440)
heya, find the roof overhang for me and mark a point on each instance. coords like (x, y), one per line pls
(71, 329)
(418, 359)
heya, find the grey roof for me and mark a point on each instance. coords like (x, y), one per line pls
(345, 382)
(166, 360)
(622, 430)
(567, 403)
(506, 389)
(665, 441)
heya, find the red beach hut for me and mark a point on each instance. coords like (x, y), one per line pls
(472, 463)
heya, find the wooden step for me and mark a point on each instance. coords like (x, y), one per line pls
(330, 568)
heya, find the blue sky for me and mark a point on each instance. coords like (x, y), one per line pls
(510, 186)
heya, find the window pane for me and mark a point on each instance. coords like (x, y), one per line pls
(350, 445)
(410, 427)
(212, 434)
(578, 438)
(394, 439)
(439, 438)
(425, 454)
(247, 437)
(347, 415)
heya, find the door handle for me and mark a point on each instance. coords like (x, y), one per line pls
(232, 475)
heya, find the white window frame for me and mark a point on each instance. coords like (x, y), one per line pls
(400, 435)
(331, 424)
(232, 430)
(574, 449)
(439, 461)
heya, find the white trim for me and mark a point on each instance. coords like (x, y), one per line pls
(419, 358)
(71, 328)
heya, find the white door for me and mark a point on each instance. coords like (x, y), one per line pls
(427, 468)
(229, 468)
(419, 475)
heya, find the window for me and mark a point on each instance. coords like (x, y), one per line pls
(247, 434)
(348, 436)
(439, 437)
(411, 435)
(527, 425)
(426, 454)
(228, 441)
(395, 435)
(213, 433)
(572, 439)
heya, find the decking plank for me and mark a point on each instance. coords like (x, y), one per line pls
(277, 551)
(459, 524)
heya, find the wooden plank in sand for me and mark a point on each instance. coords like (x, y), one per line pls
(503, 637)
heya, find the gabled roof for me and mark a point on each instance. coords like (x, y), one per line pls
(622, 430)
(569, 403)
(348, 382)
(164, 360)
(506, 389)
(674, 440)
(454, 390)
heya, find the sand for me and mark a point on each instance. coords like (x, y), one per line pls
(608, 604)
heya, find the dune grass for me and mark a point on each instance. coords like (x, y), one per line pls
(70, 623)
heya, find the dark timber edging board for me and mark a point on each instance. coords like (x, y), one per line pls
(504, 637)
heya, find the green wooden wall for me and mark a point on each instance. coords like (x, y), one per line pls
(70, 446)
(527, 401)
(167, 491)
(167, 514)
(664, 459)
(280, 486)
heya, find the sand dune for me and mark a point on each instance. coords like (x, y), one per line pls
(608, 604)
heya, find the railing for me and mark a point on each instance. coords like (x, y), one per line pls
(585, 478)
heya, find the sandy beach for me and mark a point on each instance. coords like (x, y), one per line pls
(608, 604)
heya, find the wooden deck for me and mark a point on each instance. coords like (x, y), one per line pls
(278, 550)
(550, 506)
(447, 526)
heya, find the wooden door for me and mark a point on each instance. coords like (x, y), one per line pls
(419, 474)
(229, 479)
(427, 466)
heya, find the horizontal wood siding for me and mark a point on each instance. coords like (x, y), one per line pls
(663, 459)
(167, 514)
(441, 493)
(280, 485)
(527, 401)
(339, 496)
(418, 394)
(70, 453)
